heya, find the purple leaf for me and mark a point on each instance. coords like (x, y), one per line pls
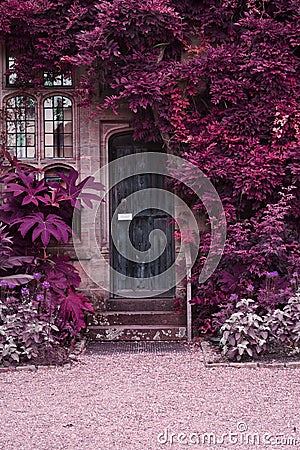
(72, 308)
(16, 280)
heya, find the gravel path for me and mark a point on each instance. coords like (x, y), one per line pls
(127, 400)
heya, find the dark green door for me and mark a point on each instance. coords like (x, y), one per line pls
(140, 232)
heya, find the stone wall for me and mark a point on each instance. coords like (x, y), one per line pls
(91, 133)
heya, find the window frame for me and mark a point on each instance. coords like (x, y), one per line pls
(51, 120)
(61, 76)
(11, 56)
(8, 83)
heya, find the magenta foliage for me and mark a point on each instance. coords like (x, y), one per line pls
(8, 261)
(35, 221)
(44, 226)
(217, 82)
(73, 189)
(72, 309)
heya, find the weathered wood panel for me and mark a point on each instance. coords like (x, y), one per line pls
(136, 273)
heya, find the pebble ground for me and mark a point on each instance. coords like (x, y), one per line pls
(130, 398)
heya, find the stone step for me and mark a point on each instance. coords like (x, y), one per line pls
(140, 304)
(162, 318)
(136, 333)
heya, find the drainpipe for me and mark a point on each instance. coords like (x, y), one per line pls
(188, 260)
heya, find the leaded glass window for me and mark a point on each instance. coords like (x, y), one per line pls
(58, 127)
(20, 126)
(61, 80)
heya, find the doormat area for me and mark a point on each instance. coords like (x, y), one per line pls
(105, 348)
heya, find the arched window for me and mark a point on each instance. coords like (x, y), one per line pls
(20, 128)
(58, 127)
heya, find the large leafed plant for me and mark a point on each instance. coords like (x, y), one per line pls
(36, 216)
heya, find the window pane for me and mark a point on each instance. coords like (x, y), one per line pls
(68, 152)
(58, 102)
(30, 140)
(30, 113)
(30, 152)
(68, 140)
(11, 114)
(67, 102)
(49, 152)
(11, 140)
(48, 127)
(48, 103)
(49, 114)
(21, 126)
(49, 139)
(11, 127)
(21, 152)
(21, 140)
(68, 114)
(67, 81)
(30, 126)
(68, 127)
(11, 103)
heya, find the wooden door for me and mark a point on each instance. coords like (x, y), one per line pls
(133, 277)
